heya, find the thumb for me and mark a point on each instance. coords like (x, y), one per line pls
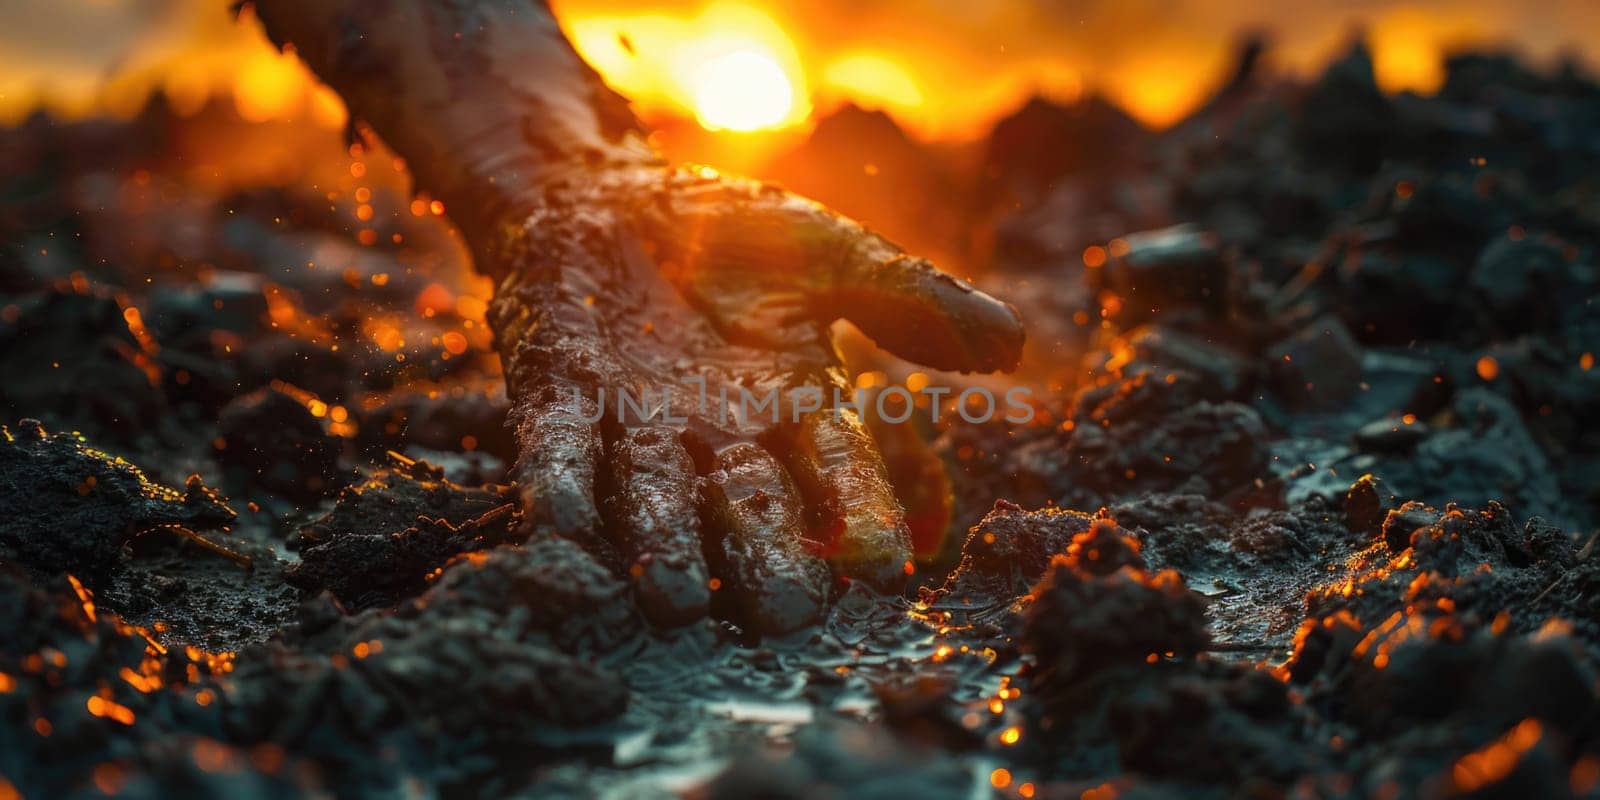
(761, 260)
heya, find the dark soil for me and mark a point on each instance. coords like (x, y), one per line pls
(1309, 507)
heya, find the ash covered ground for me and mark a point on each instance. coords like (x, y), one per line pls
(1308, 508)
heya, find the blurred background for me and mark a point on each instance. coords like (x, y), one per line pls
(747, 85)
(945, 69)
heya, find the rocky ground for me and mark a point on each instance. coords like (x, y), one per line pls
(1309, 507)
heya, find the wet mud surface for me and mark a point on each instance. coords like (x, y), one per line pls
(1308, 507)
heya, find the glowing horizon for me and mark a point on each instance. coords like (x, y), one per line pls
(942, 72)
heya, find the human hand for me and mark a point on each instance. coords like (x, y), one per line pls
(700, 296)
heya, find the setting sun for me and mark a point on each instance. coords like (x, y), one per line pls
(731, 65)
(743, 91)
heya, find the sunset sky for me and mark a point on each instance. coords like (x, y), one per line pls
(945, 68)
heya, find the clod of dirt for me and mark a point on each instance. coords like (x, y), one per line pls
(1318, 367)
(1006, 553)
(56, 344)
(1200, 721)
(1367, 506)
(1224, 373)
(1120, 685)
(270, 440)
(1173, 268)
(80, 683)
(1488, 453)
(1515, 276)
(1399, 524)
(1450, 702)
(473, 686)
(394, 496)
(1083, 617)
(373, 570)
(455, 686)
(69, 507)
(202, 329)
(1473, 564)
(1396, 298)
(389, 535)
(550, 591)
(1391, 436)
(1184, 531)
(1151, 432)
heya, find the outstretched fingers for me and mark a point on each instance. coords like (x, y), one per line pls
(763, 262)
(779, 585)
(656, 525)
(558, 453)
(915, 311)
(839, 470)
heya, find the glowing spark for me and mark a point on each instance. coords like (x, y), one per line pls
(1000, 778)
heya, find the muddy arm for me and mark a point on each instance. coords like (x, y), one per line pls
(485, 99)
(496, 113)
(614, 271)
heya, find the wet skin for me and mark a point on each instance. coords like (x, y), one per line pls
(618, 273)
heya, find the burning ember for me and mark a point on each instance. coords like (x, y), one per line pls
(414, 397)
